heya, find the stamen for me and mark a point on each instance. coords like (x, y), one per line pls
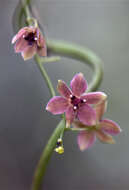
(84, 100)
(36, 38)
(71, 95)
(23, 36)
(30, 37)
(75, 107)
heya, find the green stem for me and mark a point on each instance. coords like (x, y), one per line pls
(69, 50)
(46, 155)
(50, 59)
(45, 75)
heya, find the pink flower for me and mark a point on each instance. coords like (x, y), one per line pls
(29, 41)
(102, 130)
(75, 103)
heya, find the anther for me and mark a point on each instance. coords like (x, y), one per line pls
(71, 95)
(23, 36)
(84, 100)
(74, 107)
(36, 38)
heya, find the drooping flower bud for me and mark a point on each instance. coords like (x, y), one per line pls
(30, 41)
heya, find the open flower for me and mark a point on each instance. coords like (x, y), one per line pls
(75, 102)
(102, 130)
(29, 41)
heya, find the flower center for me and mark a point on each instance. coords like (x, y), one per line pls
(76, 102)
(30, 38)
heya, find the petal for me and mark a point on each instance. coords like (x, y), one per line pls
(63, 89)
(57, 105)
(42, 51)
(19, 34)
(104, 138)
(94, 97)
(110, 127)
(70, 115)
(20, 45)
(29, 52)
(86, 139)
(100, 109)
(78, 84)
(87, 115)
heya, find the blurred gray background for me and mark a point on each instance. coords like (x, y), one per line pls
(25, 126)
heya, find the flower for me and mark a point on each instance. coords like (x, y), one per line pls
(75, 103)
(29, 41)
(102, 130)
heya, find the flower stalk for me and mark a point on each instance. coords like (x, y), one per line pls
(45, 75)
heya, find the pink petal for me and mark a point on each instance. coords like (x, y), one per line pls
(70, 115)
(104, 138)
(42, 51)
(100, 109)
(78, 84)
(110, 127)
(94, 97)
(20, 45)
(57, 105)
(63, 89)
(87, 115)
(29, 52)
(19, 34)
(86, 139)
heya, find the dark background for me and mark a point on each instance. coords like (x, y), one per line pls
(25, 126)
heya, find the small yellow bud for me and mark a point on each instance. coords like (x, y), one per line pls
(59, 150)
(56, 149)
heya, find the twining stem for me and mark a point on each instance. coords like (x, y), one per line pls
(68, 50)
(45, 75)
(50, 59)
(84, 55)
